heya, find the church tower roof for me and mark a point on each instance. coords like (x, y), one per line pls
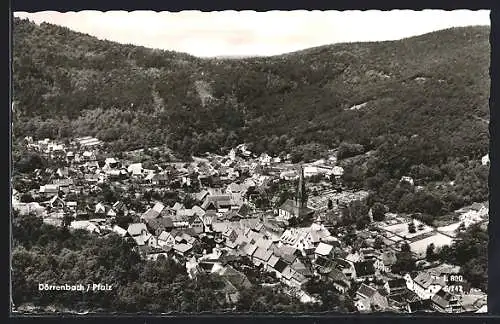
(301, 197)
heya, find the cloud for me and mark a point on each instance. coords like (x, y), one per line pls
(255, 33)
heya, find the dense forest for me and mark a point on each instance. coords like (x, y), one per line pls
(416, 106)
(433, 86)
(50, 255)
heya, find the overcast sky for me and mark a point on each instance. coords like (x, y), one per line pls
(231, 33)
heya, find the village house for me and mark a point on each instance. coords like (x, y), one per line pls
(408, 180)
(317, 234)
(85, 225)
(346, 267)
(293, 278)
(237, 191)
(166, 239)
(120, 231)
(424, 285)
(196, 223)
(160, 224)
(159, 179)
(340, 281)
(485, 160)
(370, 299)
(395, 286)
(65, 185)
(261, 256)
(48, 190)
(235, 277)
(72, 206)
(56, 203)
(140, 234)
(219, 203)
(153, 212)
(443, 301)
(135, 169)
(153, 253)
(276, 265)
(293, 237)
(405, 300)
(182, 249)
(324, 250)
(137, 229)
(100, 209)
(385, 261)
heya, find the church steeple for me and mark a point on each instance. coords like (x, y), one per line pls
(301, 197)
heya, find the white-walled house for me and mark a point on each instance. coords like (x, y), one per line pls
(424, 285)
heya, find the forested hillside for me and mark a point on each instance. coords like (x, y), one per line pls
(435, 86)
(420, 104)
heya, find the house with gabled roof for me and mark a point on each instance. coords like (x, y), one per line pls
(119, 206)
(231, 216)
(261, 256)
(249, 249)
(385, 261)
(182, 249)
(198, 211)
(446, 302)
(100, 209)
(166, 239)
(424, 284)
(395, 286)
(200, 196)
(339, 279)
(286, 253)
(137, 229)
(369, 298)
(292, 277)
(237, 278)
(135, 169)
(276, 264)
(161, 179)
(120, 231)
(153, 212)
(401, 300)
(229, 234)
(196, 223)
(177, 206)
(347, 268)
(218, 203)
(324, 250)
(160, 224)
(302, 267)
(49, 190)
(56, 202)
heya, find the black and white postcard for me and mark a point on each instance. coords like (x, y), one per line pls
(238, 161)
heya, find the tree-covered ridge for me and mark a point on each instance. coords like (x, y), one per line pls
(44, 254)
(420, 105)
(435, 85)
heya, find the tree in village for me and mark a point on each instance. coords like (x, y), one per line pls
(378, 211)
(330, 204)
(430, 254)
(379, 242)
(404, 260)
(411, 227)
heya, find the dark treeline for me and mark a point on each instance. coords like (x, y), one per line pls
(43, 254)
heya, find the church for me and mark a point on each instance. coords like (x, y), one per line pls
(296, 208)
